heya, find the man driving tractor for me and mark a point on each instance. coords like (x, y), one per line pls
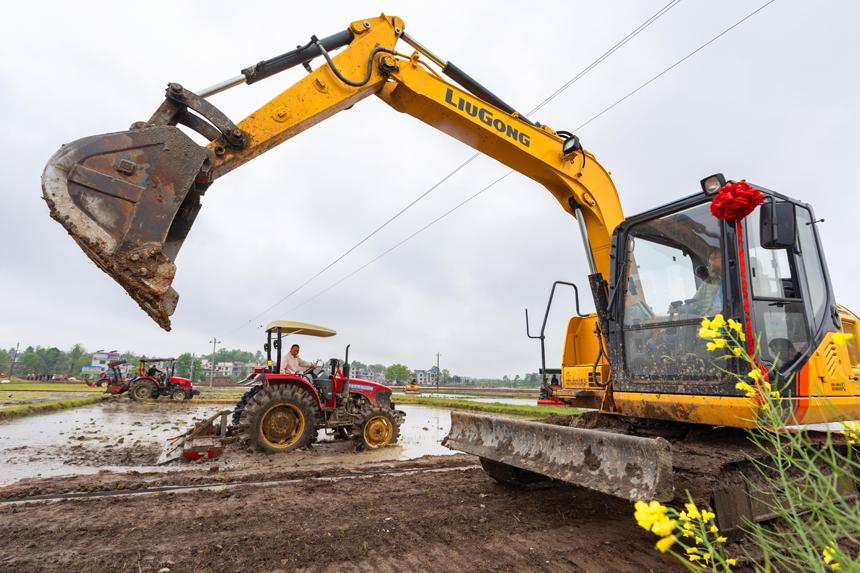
(293, 364)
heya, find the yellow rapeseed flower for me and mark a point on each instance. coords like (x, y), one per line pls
(735, 325)
(774, 395)
(722, 539)
(744, 387)
(827, 553)
(707, 516)
(852, 432)
(737, 350)
(714, 529)
(842, 337)
(717, 343)
(692, 510)
(755, 374)
(708, 333)
(664, 527)
(718, 322)
(664, 544)
(647, 514)
(731, 562)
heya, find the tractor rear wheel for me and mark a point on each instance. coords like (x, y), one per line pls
(376, 429)
(143, 390)
(282, 418)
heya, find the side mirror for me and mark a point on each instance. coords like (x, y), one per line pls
(267, 347)
(778, 225)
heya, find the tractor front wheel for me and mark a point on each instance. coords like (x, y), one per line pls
(283, 419)
(378, 428)
(178, 395)
(143, 390)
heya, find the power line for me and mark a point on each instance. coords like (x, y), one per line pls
(618, 45)
(682, 60)
(421, 230)
(439, 218)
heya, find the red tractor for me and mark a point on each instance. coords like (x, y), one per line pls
(154, 381)
(283, 412)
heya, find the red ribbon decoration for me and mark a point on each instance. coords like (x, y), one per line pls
(733, 202)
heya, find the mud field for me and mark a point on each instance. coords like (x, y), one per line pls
(326, 509)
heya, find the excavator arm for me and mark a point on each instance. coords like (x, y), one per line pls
(129, 198)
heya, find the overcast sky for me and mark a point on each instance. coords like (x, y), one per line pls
(775, 101)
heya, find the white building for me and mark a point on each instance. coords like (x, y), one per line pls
(102, 357)
(423, 377)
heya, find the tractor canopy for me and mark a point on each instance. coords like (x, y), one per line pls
(295, 327)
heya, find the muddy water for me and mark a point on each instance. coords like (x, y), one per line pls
(125, 436)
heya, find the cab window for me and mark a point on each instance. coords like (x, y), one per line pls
(674, 277)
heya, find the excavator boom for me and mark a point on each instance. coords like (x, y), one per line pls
(130, 198)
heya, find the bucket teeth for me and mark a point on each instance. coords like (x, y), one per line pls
(129, 199)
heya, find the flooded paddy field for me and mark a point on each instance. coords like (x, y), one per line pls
(121, 435)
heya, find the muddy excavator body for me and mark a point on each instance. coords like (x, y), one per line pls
(129, 199)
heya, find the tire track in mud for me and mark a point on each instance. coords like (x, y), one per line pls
(217, 486)
(405, 517)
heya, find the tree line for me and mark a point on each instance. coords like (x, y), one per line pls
(50, 361)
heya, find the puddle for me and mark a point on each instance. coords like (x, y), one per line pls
(125, 436)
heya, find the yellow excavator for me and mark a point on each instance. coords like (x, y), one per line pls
(659, 401)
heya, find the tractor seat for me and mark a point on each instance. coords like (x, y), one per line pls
(324, 385)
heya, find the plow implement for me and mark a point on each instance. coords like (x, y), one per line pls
(205, 440)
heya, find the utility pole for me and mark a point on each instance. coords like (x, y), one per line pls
(192, 368)
(14, 359)
(438, 372)
(214, 342)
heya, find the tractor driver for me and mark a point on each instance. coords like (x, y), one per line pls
(292, 363)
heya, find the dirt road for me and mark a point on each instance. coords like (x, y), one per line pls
(430, 514)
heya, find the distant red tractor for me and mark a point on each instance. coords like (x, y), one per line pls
(284, 412)
(150, 383)
(153, 381)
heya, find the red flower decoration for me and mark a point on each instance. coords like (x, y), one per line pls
(734, 201)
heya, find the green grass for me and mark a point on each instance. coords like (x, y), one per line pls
(491, 407)
(49, 386)
(28, 408)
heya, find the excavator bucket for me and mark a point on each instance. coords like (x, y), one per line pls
(129, 199)
(629, 467)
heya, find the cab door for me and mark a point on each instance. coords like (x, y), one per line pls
(676, 266)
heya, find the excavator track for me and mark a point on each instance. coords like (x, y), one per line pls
(713, 466)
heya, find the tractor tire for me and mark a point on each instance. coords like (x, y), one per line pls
(239, 408)
(377, 428)
(509, 475)
(179, 394)
(281, 419)
(143, 391)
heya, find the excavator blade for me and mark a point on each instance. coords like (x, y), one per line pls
(629, 467)
(129, 199)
